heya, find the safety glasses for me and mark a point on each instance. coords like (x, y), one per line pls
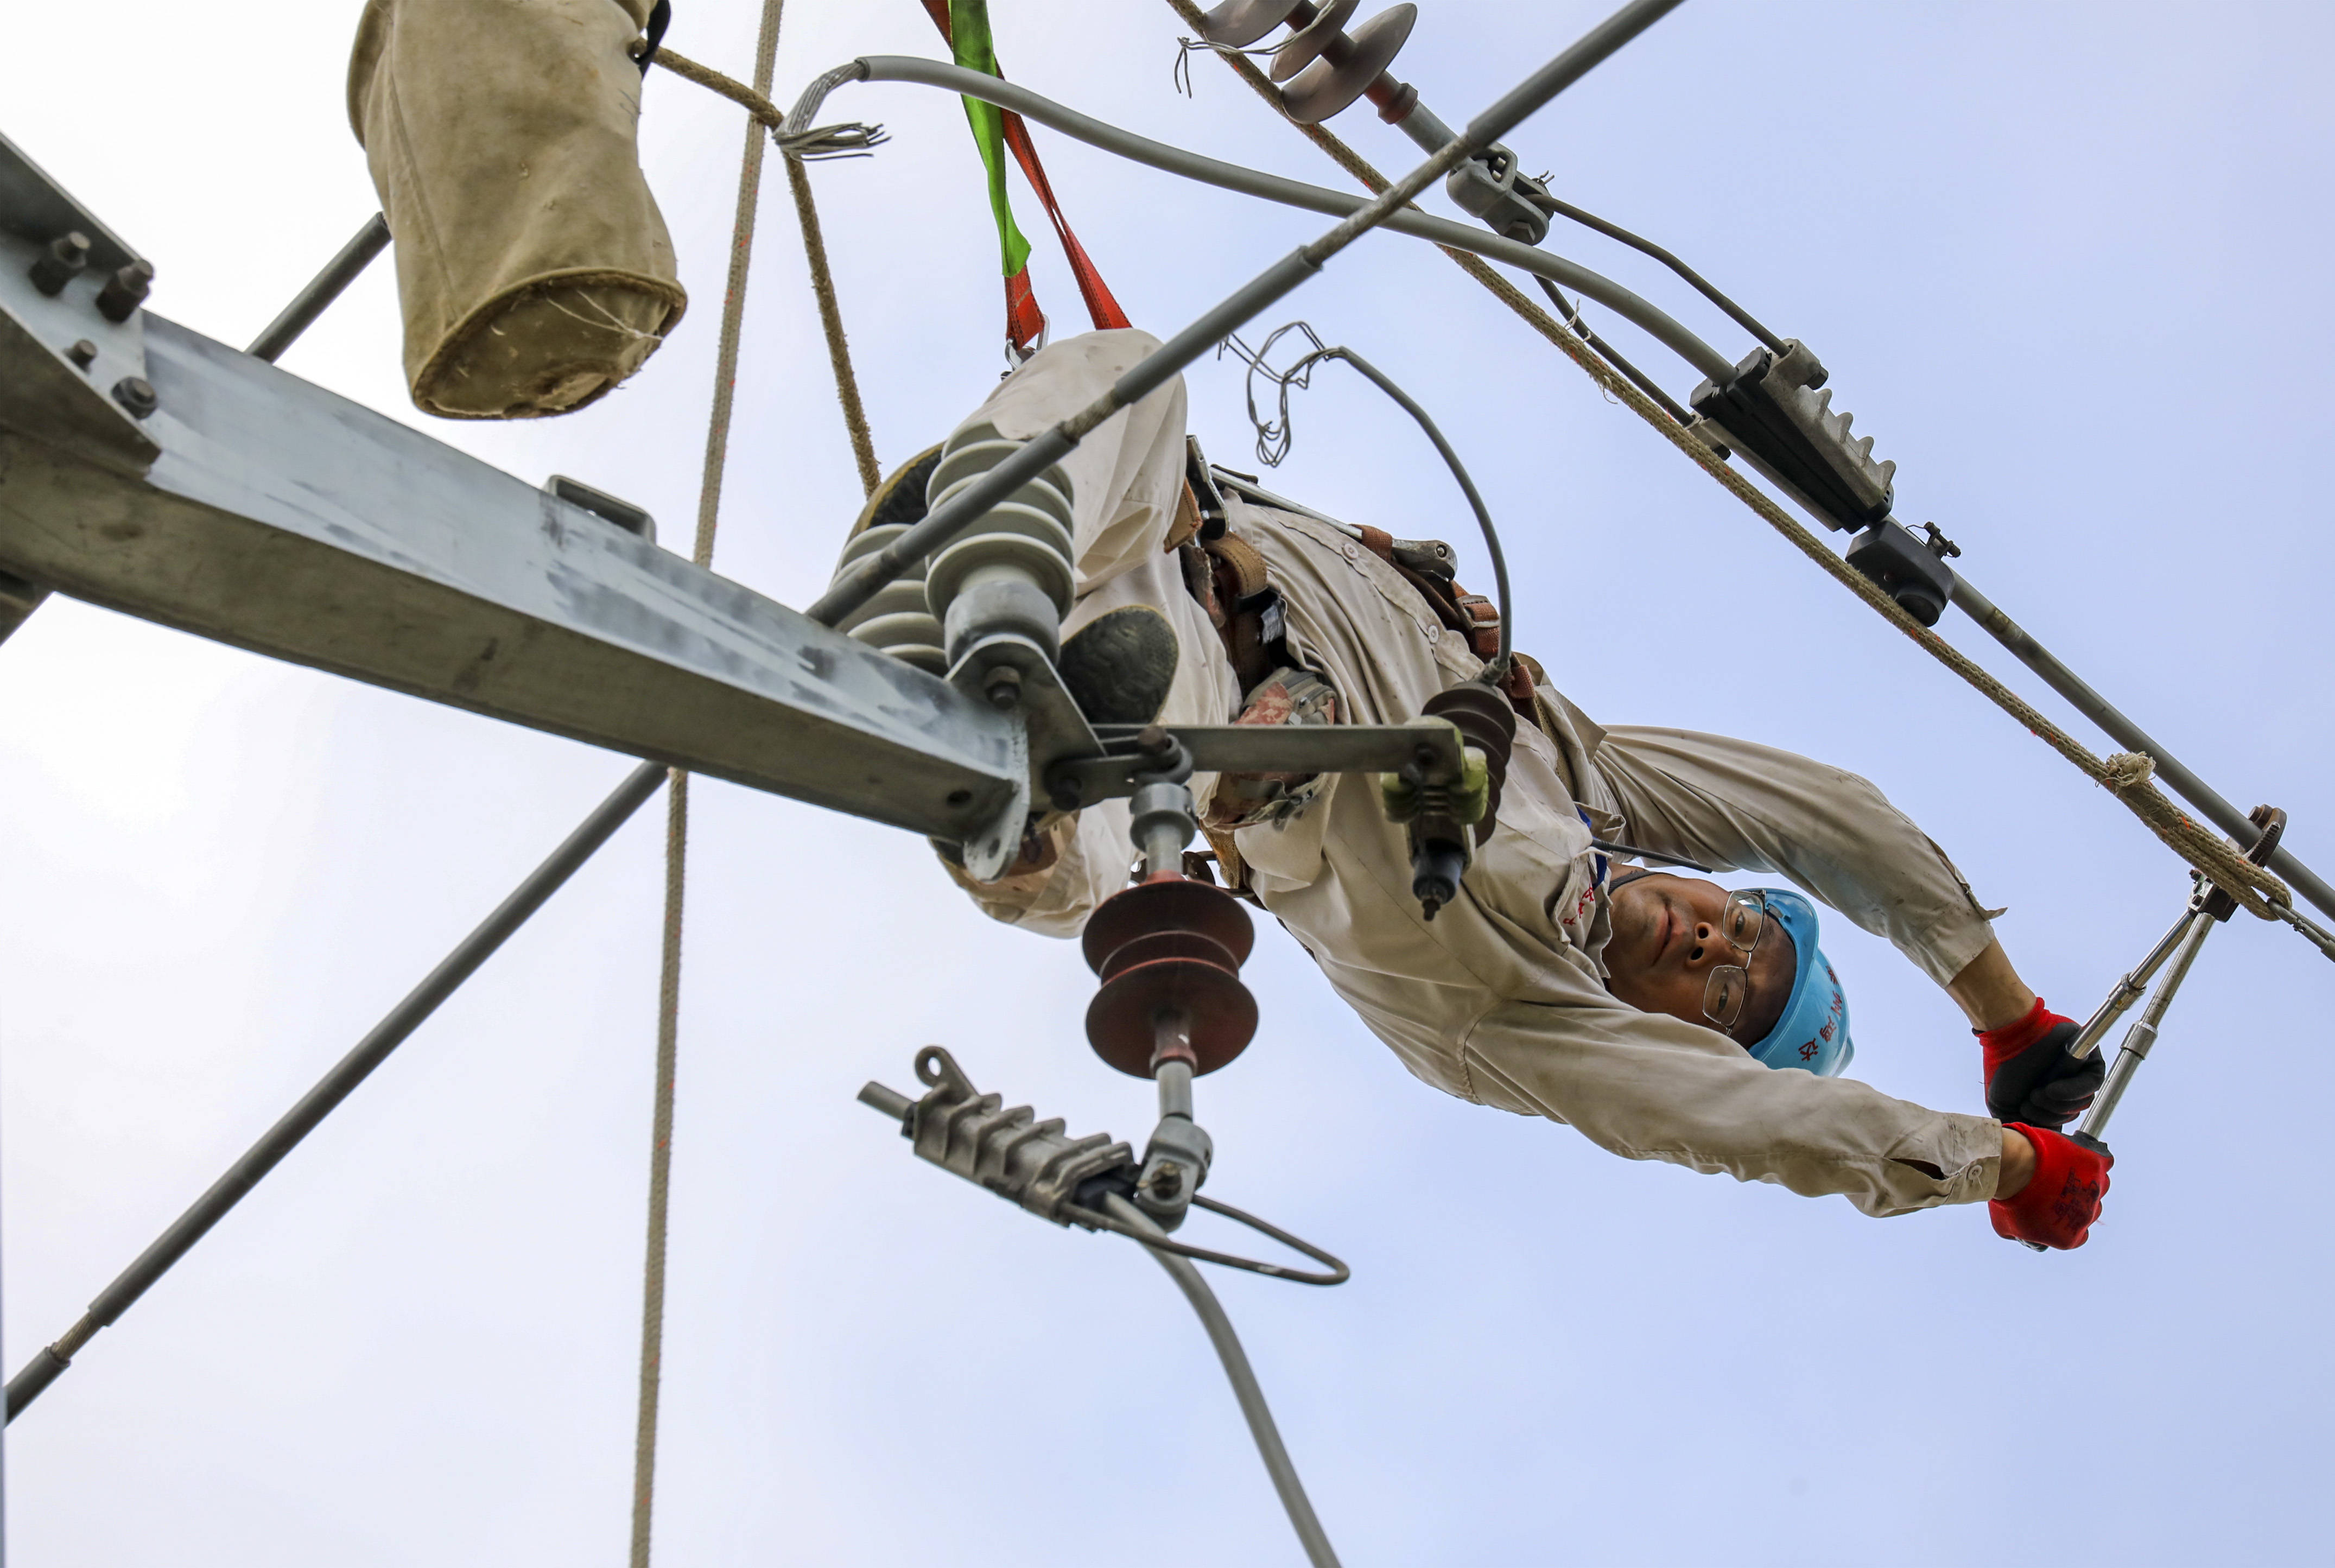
(1726, 992)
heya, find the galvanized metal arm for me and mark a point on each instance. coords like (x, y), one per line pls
(181, 481)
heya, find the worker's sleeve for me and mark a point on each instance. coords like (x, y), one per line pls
(1125, 478)
(1649, 1087)
(1733, 805)
(1484, 1005)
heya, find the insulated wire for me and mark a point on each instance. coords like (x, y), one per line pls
(1338, 1274)
(1640, 311)
(1570, 314)
(1695, 280)
(1242, 1379)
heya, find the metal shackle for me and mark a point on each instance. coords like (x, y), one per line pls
(1011, 573)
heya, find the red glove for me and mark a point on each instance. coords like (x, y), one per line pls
(2029, 1076)
(2059, 1203)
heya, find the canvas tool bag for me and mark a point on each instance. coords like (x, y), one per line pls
(534, 268)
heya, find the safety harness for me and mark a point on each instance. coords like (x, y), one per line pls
(1229, 578)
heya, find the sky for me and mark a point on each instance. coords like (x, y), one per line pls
(2060, 260)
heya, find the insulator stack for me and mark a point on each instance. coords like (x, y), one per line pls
(1330, 67)
(1170, 952)
(1010, 573)
(1485, 721)
(897, 620)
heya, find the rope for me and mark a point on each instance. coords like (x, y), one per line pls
(830, 320)
(2124, 776)
(797, 150)
(676, 833)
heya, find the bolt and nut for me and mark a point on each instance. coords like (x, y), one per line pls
(61, 262)
(125, 291)
(136, 393)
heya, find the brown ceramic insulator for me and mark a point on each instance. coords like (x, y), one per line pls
(1175, 904)
(1169, 947)
(1485, 721)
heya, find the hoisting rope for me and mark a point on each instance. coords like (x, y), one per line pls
(676, 842)
(821, 142)
(965, 25)
(830, 321)
(2125, 775)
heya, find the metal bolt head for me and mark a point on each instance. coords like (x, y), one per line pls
(1002, 687)
(82, 353)
(1167, 1180)
(61, 262)
(136, 393)
(125, 291)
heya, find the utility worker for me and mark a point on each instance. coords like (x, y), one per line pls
(1661, 1015)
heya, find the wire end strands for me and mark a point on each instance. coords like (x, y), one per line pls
(1332, 67)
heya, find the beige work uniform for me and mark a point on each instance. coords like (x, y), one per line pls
(1501, 999)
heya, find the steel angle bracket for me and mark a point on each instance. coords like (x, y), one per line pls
(246, 505)
(1429, 747)
(70, 364)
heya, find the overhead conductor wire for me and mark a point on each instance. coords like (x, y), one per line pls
(976, 499)
(2126, 776)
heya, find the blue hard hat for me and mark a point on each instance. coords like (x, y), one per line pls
(1812, 1033)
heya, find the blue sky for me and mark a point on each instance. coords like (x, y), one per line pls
(2065, 263)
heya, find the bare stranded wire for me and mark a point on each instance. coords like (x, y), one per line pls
(944, 521)
(2125, 775)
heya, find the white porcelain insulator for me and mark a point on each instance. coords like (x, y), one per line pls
(896, 619)
(1025, 538)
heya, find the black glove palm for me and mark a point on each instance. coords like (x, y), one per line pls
(2039, 1083)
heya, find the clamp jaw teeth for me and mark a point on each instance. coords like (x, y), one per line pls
(1771, 411)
